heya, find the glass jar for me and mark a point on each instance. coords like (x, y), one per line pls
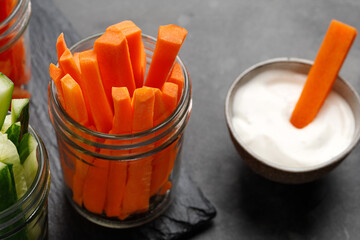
(14, 43)
(28, 219)
(121, 181)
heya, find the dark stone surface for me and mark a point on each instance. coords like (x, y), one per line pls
(190, 210)
(225, 38)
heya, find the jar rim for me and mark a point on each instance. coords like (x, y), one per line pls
(184, 101)
(37, 190)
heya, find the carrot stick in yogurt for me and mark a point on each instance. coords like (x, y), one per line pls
(323, 73)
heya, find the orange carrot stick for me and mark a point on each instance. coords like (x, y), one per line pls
(100, 107)
(20, 74)
(121, 25)
(74, 100)
(137, 190)
(169, 41)
(20, 93)
(133, 37)
(177, 77)
(6, 6)
(123, 111)
(167, 186)
(94, 193)
(81, 169)
(60, 46)
(143, 109)
(323, 73)
(77, 60)
(66, 164)
(82, 163)
(170, 95)
(68, 64)
(161, 111)
(118, 170)
(114, 62)
(143, 63)
(161, 163)
(56, 74)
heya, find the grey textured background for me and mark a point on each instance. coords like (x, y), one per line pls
(225, 38)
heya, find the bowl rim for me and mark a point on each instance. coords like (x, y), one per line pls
(337, 158)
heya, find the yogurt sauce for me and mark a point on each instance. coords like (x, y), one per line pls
(261, 113)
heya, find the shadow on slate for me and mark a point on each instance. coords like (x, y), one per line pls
(188, 214)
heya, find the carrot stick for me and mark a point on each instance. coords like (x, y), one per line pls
(94, 193)
(6, 6)
(77, 60)
(143, 109)
(323, 73)
(56, 74)
(173, 152)
(169, 41)
(81, 169)
(143, 64)
(161, 111)
(160, 164)
(67, 163)
(118, 170)
(114, 62)
(123, 111)
(121, 25)
(74, 100)
(82, 163)
(5, 65)
(137, 190)
(133, 37)
(68, 64)
(160, 169)
(96, 180)
(19, 75)
(177, 77)
(60, 46)
(100, 107)
(170, 95)
(166, 187)
(20, 93)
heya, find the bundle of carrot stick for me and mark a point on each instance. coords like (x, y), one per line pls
(104, 89)
(13, 62)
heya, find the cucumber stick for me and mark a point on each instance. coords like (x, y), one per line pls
(28, 144)
(7, 187)
(9, 155)
(7, 124)
(20, 113)
(13, 133)
(30, 167)
(6, 90)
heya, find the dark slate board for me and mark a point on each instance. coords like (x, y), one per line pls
(189, 213)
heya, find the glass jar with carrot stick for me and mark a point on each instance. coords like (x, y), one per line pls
(14, 44)
(120, 134)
